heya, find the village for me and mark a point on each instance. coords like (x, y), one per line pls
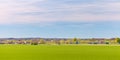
(36, 41)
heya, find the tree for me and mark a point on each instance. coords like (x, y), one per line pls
(75, 39)
(118, 40)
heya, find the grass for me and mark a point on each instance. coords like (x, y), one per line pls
(59, 52)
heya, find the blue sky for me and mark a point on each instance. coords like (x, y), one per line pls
(60, 18)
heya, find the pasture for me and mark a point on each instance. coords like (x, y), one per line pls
(59, 52)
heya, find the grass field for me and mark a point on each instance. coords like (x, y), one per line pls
(59, 52)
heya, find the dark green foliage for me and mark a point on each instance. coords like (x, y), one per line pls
(34, 43)
(118, 40)
(107, 43)
(75, 39)
(95, 43)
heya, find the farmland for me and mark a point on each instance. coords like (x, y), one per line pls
(59, 52)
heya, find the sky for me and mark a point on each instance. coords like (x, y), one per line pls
(59, 18)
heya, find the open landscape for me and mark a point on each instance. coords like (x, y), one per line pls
(59, 29)
(60, 52)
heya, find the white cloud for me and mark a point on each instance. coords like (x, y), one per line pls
(14, 12)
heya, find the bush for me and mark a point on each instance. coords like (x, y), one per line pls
(118, 40)
(34, 43)
(107, 43)
(95, 43)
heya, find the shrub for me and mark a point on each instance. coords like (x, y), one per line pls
(107, 43)
(118, 40)
(34, 43)
(95, 43)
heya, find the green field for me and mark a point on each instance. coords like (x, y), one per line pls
(59, 52)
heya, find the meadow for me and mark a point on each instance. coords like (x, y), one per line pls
(59, 52)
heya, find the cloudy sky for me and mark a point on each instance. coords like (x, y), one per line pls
(60, 18)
